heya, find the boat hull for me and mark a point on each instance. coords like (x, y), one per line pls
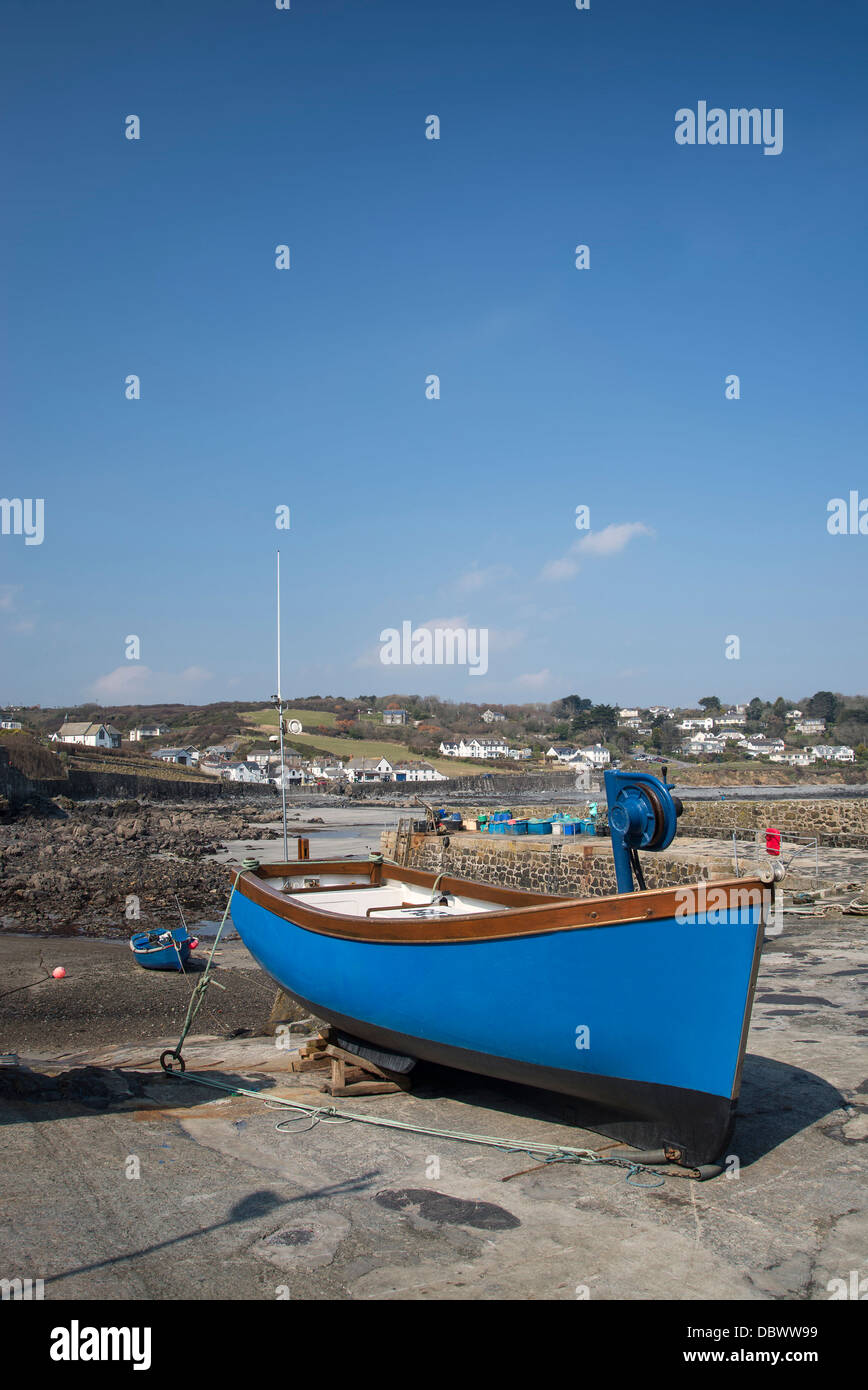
(643, 1021)
(154, 957)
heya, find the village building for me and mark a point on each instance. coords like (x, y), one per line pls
(703, 744)
(833, 753)
(244, 772)
(561, 752)
(483, 748)
(416, 772)
(395, 716)
(597, 756)
(88, 734)
(492, 716)
(811, 726)
(186, 757)
(148, 731)
(760, 745)
(368, 770)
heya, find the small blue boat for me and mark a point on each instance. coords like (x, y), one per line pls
(637, 1002)
(165, 948)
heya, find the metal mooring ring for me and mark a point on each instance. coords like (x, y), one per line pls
(167, 1066)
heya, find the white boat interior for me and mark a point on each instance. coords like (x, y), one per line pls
(389, 899)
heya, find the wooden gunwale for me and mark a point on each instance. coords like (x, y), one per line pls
(532, 915)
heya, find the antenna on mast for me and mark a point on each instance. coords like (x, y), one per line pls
(279, 699)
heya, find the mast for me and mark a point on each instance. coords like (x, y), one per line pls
(279, 698)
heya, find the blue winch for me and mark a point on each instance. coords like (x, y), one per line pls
(643, 814)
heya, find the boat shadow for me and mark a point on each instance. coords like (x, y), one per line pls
(778, 1101)
(33, 1096)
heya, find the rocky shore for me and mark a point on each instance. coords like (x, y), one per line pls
(102, 868)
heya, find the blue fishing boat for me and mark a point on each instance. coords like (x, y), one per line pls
(165, 948)
(636, 1003)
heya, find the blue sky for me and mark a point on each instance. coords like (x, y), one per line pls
(410, 257)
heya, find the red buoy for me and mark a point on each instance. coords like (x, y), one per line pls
(773, 841)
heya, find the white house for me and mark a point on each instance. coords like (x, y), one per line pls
(696, 723)
(520, 754)
(368, 770)
(289, 777)
(833, 753)
(730, 735)
(416, 772)
(598, 756)
(702, 744)
(492, 716)
(732, 719)
(562, 752)
(91, 735)
(332, 770)
(483, 748)
(660, 711)
(449, 750)
(811, 726)
(9, 724)
(244, 772)
(186, 757)
(759, 745)
(148, 731)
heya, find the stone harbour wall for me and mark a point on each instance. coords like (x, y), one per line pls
(578, 869)
(842, 823)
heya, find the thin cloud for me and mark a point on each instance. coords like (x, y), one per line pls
(476, 579)
(534, 680)
(610, 541)
(137, 684)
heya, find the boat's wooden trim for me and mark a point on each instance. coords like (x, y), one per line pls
(421, 878)
(536, 914)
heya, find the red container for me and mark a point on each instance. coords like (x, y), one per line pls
(773, 841)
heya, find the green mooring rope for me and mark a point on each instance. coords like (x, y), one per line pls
(198, 996)
(545, 1153)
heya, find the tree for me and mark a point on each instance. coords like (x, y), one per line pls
(573, 705)
(710, 703)
(824, 705)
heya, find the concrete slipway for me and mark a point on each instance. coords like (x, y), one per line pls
(226, 1207)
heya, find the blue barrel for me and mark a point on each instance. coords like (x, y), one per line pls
(539, 827)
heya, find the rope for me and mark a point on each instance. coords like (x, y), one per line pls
(198, 995)
(548, 1153)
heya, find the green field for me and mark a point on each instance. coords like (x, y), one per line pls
(267, 718)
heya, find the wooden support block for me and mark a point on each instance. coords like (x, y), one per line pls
(352, 1075)
(315, 1063)
(361, 1088)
